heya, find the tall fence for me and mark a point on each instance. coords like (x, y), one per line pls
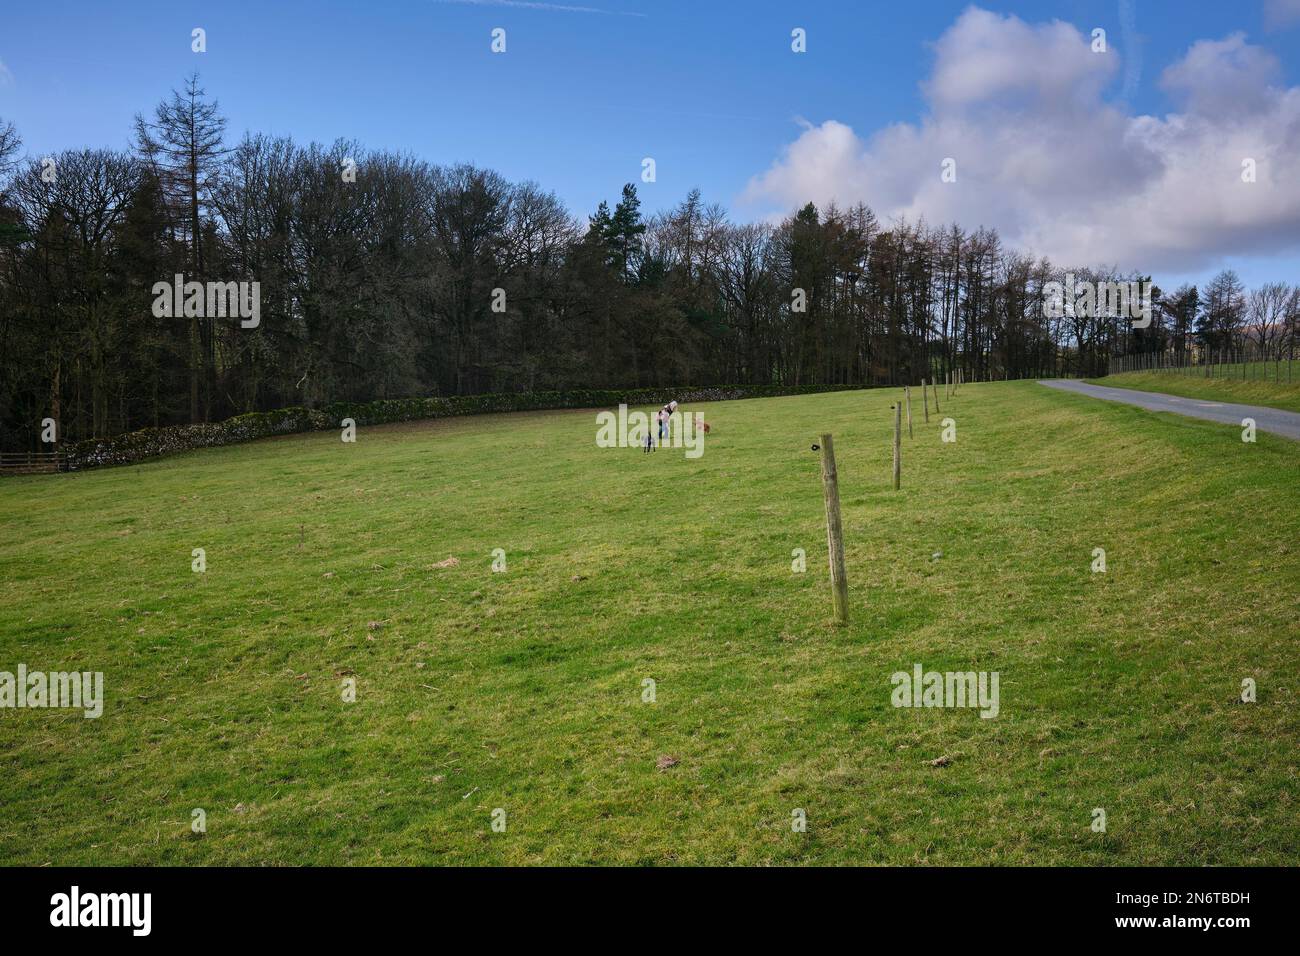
(1245, 363)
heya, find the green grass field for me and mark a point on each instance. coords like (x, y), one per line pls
(1265, 384)
(523, 690)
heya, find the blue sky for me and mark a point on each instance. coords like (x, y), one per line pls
(711, 90)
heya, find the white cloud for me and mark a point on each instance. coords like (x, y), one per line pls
(6, 77)
(985, 57)
(1042, 156)
(1223, 78)
(1279, 14)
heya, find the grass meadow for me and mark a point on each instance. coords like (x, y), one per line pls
(523, 689)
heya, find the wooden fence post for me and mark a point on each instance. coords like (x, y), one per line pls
(907, 392)
(898, 430)
(834, 531)
(925, 397)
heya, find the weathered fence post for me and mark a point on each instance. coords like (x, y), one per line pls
(898, 430)
(925, 397)
(907, 392)
(834, 531)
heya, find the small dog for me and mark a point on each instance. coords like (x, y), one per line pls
(706, 427)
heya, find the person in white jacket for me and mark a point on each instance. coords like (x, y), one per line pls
(664, 417)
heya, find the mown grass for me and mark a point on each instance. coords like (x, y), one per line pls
(523, 690)
(1275, 384)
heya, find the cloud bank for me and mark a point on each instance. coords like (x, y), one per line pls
(1044, 157)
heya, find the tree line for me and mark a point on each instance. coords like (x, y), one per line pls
(385, 276)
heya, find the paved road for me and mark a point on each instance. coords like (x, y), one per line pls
(1266, 419)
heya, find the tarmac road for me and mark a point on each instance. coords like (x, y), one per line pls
(1273, 420)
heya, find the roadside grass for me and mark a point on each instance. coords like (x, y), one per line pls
(523, 690)
(1275, 384)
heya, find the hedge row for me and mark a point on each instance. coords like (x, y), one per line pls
(147, 443)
